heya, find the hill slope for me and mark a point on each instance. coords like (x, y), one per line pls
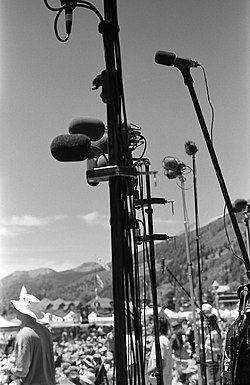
(218, 263)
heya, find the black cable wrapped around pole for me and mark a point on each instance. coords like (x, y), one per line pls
(117, 187)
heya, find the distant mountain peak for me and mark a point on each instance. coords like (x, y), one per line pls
(29, 273)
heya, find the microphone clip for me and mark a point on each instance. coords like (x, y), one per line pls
(69, 3)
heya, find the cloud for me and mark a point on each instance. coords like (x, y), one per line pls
(171, 226)
(11, 226)
(165, 221)
(95, 218)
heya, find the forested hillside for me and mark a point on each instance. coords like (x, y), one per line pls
(218, 262)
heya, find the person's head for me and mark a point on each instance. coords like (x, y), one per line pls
(212, 321)
(175, 326)
(72, 374)
(207, 309)
(28, 306)
(163, 325)
(65, 366)
(87, 378)
(97, 359)
(88, 364)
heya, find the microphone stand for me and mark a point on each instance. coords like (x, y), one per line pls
(119, 173)
(190, 275)
(246, 213)
(159, 374)
(203, 367)
(188, 81)
(118, 186)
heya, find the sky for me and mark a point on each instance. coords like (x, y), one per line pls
(49, 215)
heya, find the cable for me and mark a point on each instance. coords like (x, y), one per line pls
(227, 235)
(78, 4)
(210, 103)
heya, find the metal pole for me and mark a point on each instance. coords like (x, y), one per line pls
(118, 190)
(203, 363)
(190, 276)
(159, 377)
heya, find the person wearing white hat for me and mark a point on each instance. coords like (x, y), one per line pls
(87, 378)
(34, 357)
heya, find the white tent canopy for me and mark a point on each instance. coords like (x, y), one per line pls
(7, 326)
(169, 313)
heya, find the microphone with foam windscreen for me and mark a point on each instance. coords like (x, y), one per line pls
(71, 148)
(93, 128)
(239, 205)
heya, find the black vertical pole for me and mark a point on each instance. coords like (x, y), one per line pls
(117, 188)
(159, 377)
(203, 361)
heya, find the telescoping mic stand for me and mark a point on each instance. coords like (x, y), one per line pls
(119, 171)
(184, 65)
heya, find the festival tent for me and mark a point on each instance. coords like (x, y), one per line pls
(16, 321)
(229, 314)
(7, 326)
(148, 311)
(104, 321)
(182, 315)
(170, 314)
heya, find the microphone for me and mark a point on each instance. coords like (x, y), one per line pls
(70, 148)
(239, 205)
(173, 167)
(68, 19)
(69, 6)
(170, 59)
(93, 128)
(173, 164)
(190, 148)
(212, 323)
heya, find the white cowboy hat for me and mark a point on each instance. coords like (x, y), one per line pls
(28, 304)
(206, 307)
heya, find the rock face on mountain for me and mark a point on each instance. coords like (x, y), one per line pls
(218, 262)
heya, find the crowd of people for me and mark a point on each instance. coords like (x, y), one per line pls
(87, 357)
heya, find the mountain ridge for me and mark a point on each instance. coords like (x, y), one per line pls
(79, 283)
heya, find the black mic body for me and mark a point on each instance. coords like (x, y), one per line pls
(68, 19)
(71, 148)
(69, 6)
(93, 128)
(239, 205)
(170, 59)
